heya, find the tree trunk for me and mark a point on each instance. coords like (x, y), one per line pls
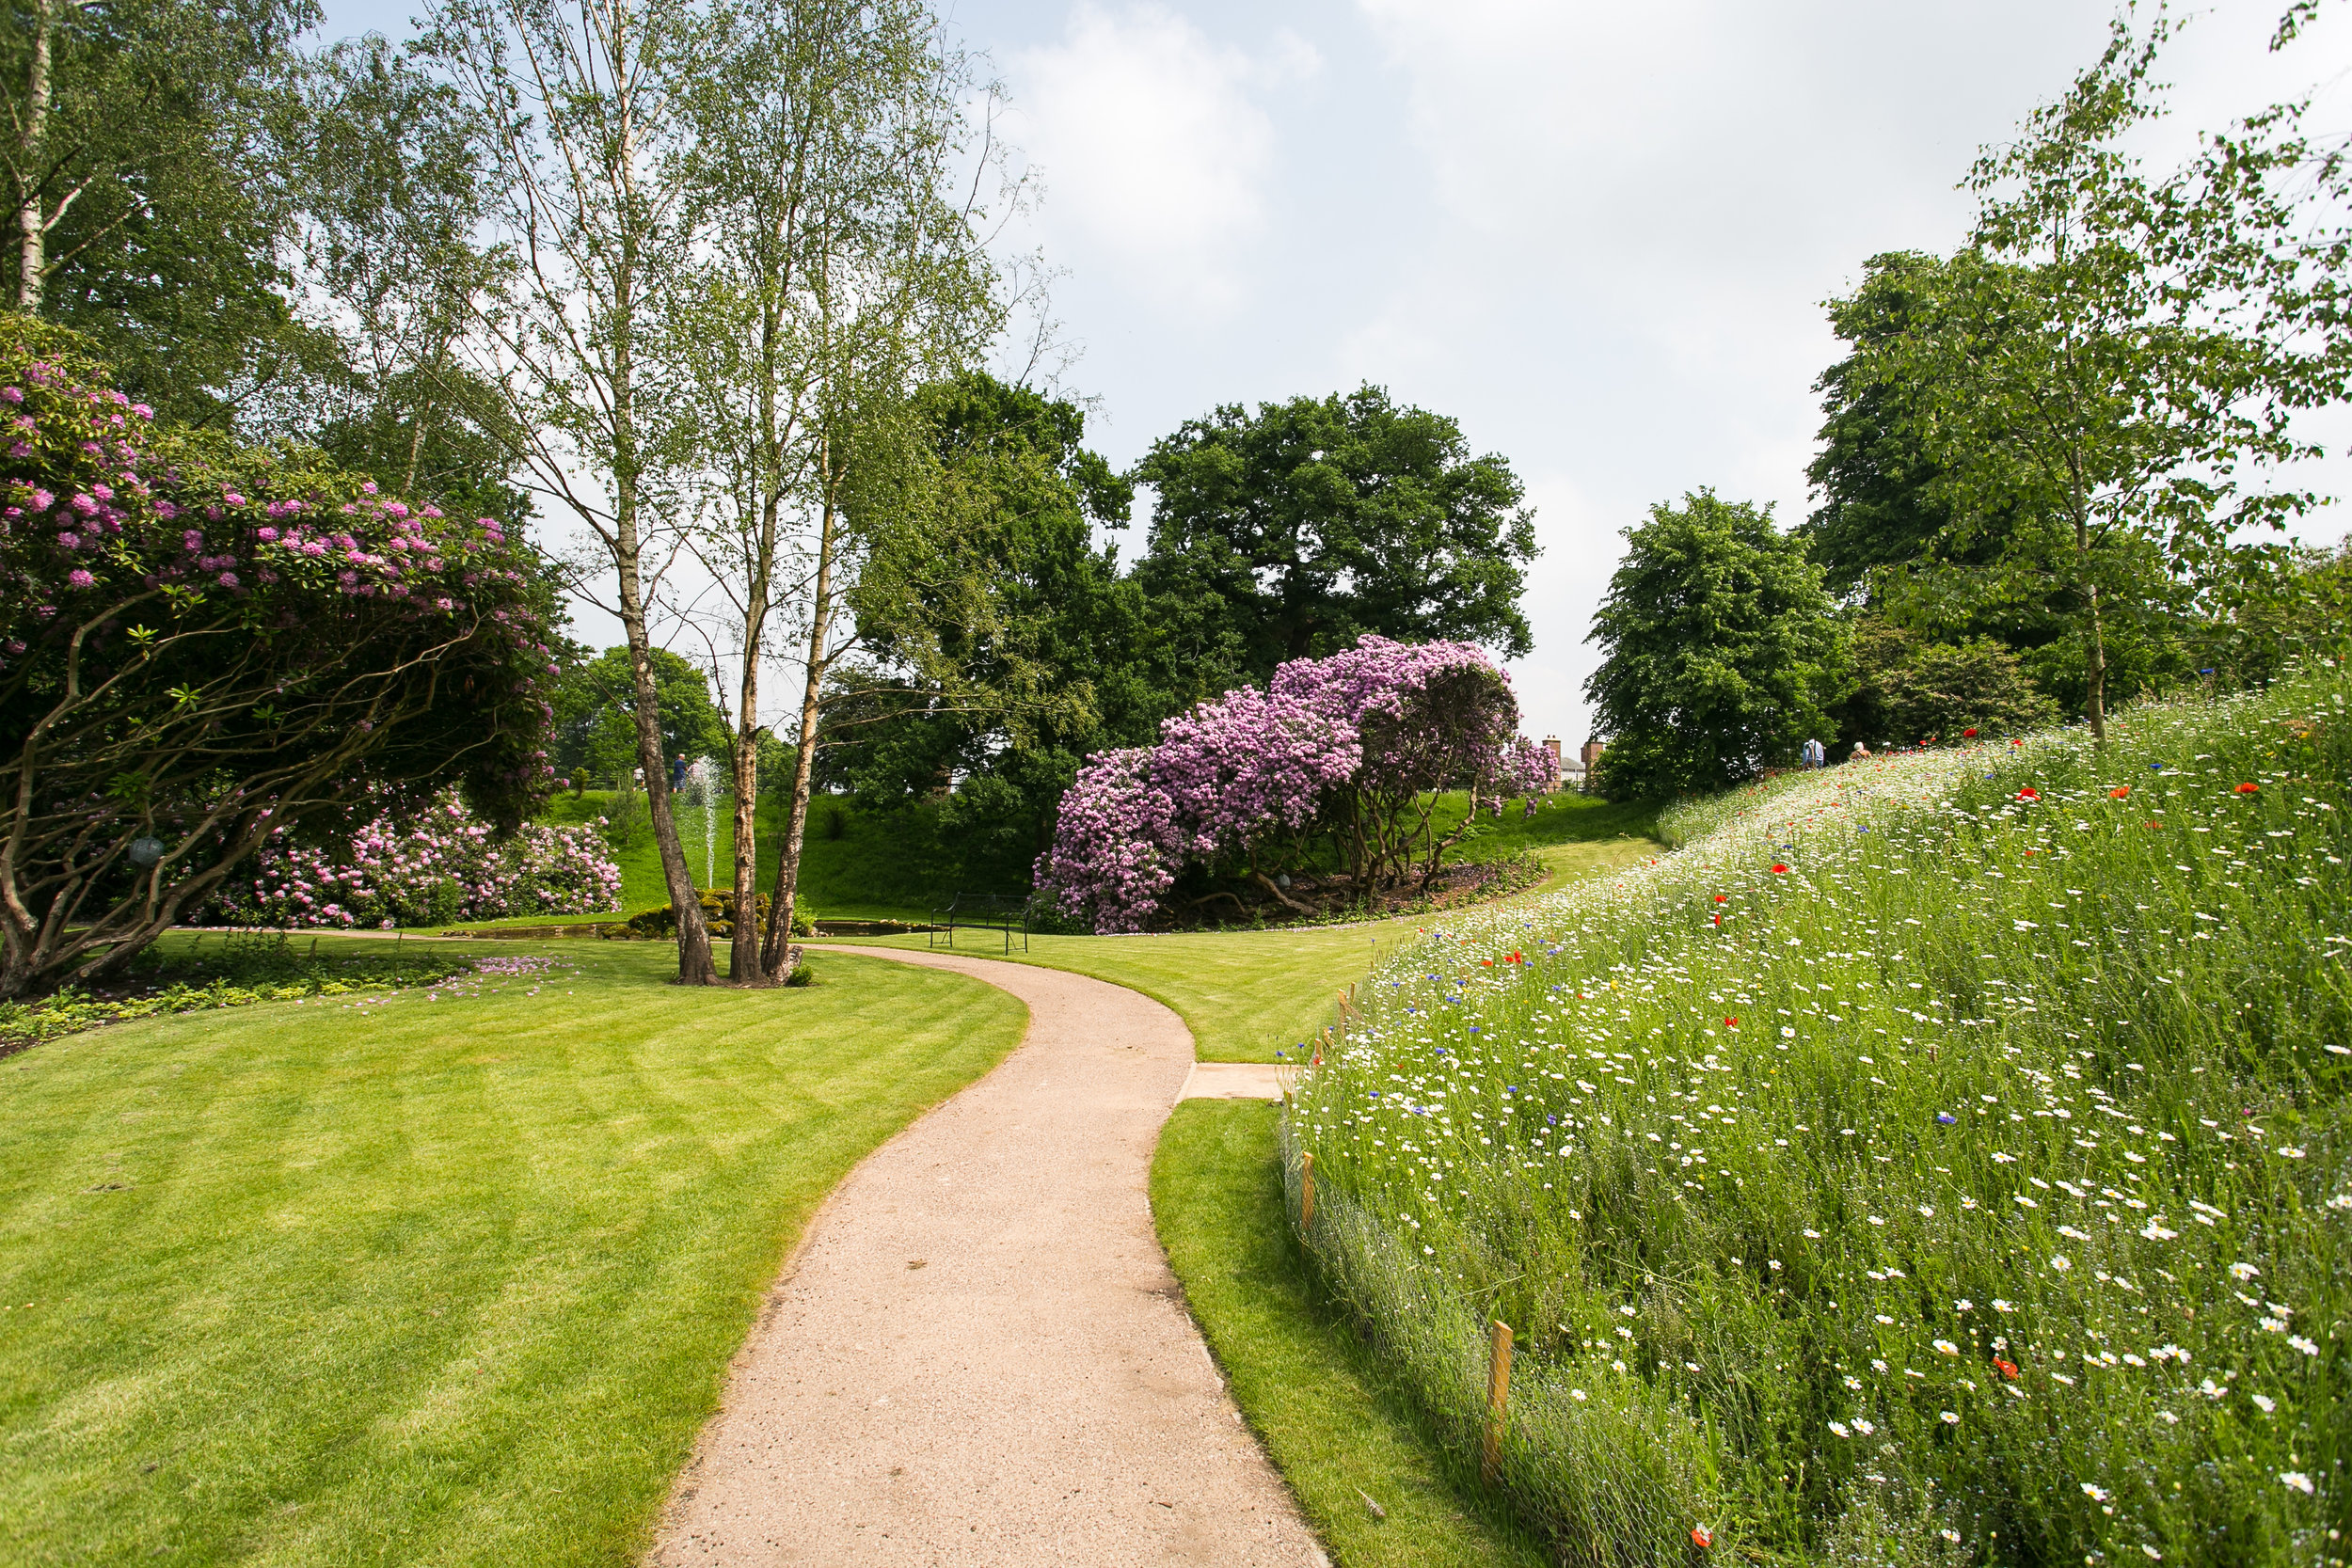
(2095, 682)
(812, 697)
(32, 140)
(1275, 888)
(747, 958)
(2095, 659)
(695, 967)
(1438, 847)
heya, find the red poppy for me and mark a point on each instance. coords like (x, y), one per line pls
(2017, 743)
(2029, 793)
(1702, 1535)
(1967, 734)
(2248, 788)
(1719, 919)
(1731, 1023)
(1723, 898)
(2119, 792)
(2030, 852)
(2009, 1369)
(1778, 868)
(1516, 957)
(1488, 962)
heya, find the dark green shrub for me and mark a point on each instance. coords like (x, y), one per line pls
(717, 913)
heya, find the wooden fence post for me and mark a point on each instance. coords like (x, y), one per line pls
(1307, 1192)
(1498, 1399)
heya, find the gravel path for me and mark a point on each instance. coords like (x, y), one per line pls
(979, 1356)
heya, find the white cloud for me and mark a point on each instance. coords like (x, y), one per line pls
(1157, 155)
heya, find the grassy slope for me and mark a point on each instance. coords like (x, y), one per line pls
(1327, 1413)
(427, 1282)
(886, 867)
(895, 867)
(2003, 1075)
(1245, 994)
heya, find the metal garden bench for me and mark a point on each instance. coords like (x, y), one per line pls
(982, 912)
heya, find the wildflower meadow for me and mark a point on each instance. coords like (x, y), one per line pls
(1940, 1159)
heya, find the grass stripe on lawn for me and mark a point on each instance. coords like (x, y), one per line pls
(423, 1281)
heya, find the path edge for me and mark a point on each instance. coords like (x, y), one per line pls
(681, 1487)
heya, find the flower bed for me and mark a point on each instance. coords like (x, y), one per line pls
(1944, 1159)
(239, 972)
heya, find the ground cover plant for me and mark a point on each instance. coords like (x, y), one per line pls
(444, 1275)
(1944, 1159)
(1348, 1438)
(184, 975)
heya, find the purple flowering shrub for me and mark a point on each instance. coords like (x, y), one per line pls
(202, 644)
(447, 865)
(1343, 754)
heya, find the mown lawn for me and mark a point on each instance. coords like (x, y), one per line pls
(1247, 995)
(423, 1281)
(1254, 997)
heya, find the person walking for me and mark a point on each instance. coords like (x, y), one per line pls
(1815, 753)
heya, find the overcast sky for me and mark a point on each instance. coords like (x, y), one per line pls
(1597, 235)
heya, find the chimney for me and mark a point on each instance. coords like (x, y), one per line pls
(1591, 754)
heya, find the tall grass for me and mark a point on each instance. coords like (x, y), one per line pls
(1941, 1159)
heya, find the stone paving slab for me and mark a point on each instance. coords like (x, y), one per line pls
(1233, 1080)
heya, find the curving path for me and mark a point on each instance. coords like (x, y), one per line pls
(979, 1356)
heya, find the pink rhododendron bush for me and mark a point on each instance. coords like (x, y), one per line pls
(204, 644)
(1320, 788)
(447, 865)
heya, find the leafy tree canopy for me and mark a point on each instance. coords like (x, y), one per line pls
(1910, 689)
(152, 172)
(1293, 532)
(1882, 500)
(1720, 649)
(595, 728)
(2106, 382)
(1017, 498)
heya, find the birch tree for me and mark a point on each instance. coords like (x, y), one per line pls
(839, 263)
(147, 192)
(579, 104)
